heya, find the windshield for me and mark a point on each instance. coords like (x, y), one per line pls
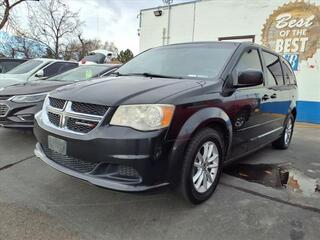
(196, 61)
(25, 67)
(81, 73)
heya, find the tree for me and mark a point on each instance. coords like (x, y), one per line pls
(18, 46)
(6, 7)
(53, 24)
(81, 47)
(110, 46)
(125, 56)
(78, 49)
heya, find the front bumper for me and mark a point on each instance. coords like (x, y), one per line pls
(96, 180)
(20, 115)
(109, 149)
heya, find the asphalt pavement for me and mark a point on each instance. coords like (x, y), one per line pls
(37, 202)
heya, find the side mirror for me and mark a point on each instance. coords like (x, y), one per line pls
(39, 74)
(249, 78)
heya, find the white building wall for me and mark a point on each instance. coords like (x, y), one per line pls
(151, 29)
(216, 18)
(207, 20)
(181, 27)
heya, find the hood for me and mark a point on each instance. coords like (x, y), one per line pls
(114, 91)
(11, 79)
(32, 87)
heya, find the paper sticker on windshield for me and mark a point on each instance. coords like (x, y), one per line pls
(88, 74)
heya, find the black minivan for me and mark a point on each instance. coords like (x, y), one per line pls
(172, 115)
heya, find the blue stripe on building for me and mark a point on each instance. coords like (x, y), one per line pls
(308, 111)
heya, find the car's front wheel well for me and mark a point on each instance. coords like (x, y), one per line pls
(218, 126)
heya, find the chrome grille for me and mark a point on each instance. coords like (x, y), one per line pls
(57, 103)
(69, 162)
(80, 118)
(92, 109)
(4, 109)
(5, 97)
(82, 126)
(54, 118)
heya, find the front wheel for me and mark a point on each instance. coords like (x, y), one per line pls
(202, 166)
(284, 140)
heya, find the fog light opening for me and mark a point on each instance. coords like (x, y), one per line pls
(26, 117)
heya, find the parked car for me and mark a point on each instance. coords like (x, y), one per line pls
(172, 115)
(98, 56)
(35, 69)
(6, 64)
(19, 103)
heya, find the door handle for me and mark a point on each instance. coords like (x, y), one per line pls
(274, 95)
(265, 97)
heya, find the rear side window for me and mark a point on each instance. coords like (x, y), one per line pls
(274, 71)
(288, 74)
(249, 60)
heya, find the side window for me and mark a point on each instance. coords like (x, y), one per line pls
(274, 71)
(249, 60)
(51, 70)
(67, 66)
(58, 67)
(288, 74)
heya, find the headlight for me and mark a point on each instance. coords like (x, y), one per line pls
(29, 98)
(144, 117)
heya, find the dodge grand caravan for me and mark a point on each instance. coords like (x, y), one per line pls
(172, 115)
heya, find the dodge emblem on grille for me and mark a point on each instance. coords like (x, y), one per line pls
(74, 120)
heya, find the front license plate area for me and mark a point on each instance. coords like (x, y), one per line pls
(57, 145)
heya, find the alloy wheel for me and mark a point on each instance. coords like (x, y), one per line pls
(288, 132)
(205, 167)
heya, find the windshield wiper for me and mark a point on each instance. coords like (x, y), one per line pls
(147, 75)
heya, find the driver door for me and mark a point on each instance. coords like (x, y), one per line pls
(250, 120)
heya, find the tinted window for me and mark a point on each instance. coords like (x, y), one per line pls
(7, 66)
(25, 67)
(58, 67)
(187, 61)
(274, 72)
(67, 66)
(288, 74)
(249, 60)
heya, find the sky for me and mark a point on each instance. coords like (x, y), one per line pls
(107, 20)
(113, 20)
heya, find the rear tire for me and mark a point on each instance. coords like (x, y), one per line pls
(202, 166)
(284, 140)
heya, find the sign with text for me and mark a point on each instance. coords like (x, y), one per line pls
(293, 59)
(293, 29)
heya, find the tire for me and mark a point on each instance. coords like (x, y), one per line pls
(196, 167)
(284, 140)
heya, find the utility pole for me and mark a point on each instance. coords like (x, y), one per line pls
(168, 3)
